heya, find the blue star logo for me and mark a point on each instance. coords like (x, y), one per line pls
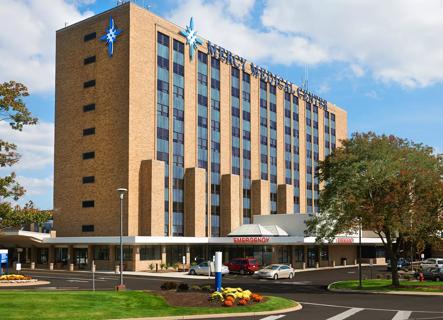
(111, 36)
(191, 38)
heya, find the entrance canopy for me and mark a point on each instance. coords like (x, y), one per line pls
(258, 230)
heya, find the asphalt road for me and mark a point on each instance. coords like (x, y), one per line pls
(309, 288)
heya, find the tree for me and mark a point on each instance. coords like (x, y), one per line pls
(391, 185)
(14, 111)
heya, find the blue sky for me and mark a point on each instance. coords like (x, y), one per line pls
(383, 64)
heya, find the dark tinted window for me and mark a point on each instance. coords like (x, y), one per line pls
(88, 155)
(88, 204)
(88, 84)
(89, 107)
(89, 36)
(88, 131)
(88, 228)
(89, 179)
(89, 60)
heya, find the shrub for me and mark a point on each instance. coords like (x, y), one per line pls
(169, 285)
(151, 266)
(206, 288)
(183, 287)
(242, 302)
(232, 298)
(195, 288)
(163, 266)
(193, 264)
(176, 265)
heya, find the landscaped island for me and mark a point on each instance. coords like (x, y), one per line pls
(386, 285)
(112, 305)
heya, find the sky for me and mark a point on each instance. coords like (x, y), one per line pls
(382, 63)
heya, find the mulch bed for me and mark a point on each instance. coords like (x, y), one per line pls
(190, 299)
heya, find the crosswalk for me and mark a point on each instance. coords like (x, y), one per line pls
(335, 312)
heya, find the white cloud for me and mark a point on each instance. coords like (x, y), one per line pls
(239, 9)
(398, 41)
(27, 42)
(214, 22)
(35, 145)
(36, 186)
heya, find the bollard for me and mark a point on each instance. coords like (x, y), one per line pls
(117, 269)
(317, 265)
(71, 267)
(51, 266)
(156, 267)
(355, 261)
(93, 268)
(303, 265)
(333, 263)
(32, 265)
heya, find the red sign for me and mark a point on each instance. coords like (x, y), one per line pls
(251, 239)
(344, 240)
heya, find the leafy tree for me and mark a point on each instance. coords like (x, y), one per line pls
(14, 111)
(390, 185)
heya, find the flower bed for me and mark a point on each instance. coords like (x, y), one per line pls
(15, 278)
(230, 297)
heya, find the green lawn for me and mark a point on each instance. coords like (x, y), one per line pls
(107, 305)
(385, 285)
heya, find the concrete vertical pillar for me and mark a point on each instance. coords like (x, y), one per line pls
(163, 251)
(152, 198)
(188, 256)
(195, 202)
(260, 201)
(229, 203)
(135, 258)
(285, 199)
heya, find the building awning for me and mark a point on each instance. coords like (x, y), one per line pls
(258, 230)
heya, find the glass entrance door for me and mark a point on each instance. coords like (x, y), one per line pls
(81, 257)
(312, 256)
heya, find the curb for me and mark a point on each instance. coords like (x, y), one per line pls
(405, 293)
(224, 315)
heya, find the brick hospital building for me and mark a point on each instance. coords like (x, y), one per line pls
(217, 152)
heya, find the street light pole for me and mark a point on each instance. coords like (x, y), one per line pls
(359, 254)
(121, 192)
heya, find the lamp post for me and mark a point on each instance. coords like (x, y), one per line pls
(121, 192)
(359, 254)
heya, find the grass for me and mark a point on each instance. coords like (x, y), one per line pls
(386, 285)
(108, 305)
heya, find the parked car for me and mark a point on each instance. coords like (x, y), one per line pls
(435, 274)
(203, 269)
(432, 263)
(243, 265)
(402, 263)
(275, 271)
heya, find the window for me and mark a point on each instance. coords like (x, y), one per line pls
(324, 253)
(89, 60)
(88, 204)
(88, 131)
(88, 84)
(150, 253)
(89, 36)
(88, 228)
(163, 39)
(101, 252)
(89, 179)
(88, 155)
(89, 107)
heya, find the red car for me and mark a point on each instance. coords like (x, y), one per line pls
(243, 265)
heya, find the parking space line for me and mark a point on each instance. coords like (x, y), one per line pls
(402, 315)
(273, 317)
(346, 314)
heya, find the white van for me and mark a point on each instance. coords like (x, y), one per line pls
(432, 263)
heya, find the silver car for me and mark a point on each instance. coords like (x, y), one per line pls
(432, 263)
(203, 269)
(275, 271)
